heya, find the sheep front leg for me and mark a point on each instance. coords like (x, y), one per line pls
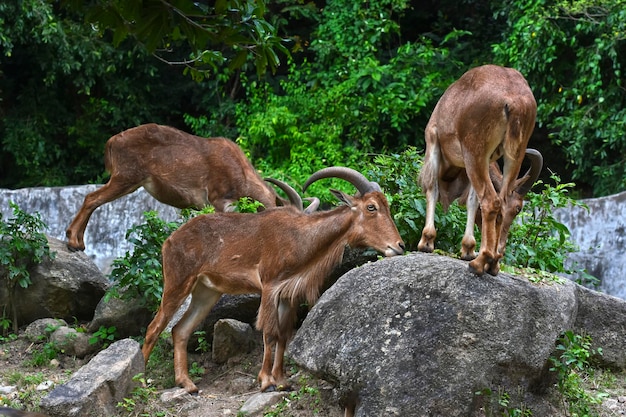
(203, 298)
(488, 257)
(430, 184)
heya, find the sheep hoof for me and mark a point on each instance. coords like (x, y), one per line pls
(270, 388)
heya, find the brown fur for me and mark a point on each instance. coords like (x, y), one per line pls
(176, 168)
(487, 114)
(283, 254)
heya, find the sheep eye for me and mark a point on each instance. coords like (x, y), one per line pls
(371, 207)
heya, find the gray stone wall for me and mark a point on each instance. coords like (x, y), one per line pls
(600, 235)
(105, 235)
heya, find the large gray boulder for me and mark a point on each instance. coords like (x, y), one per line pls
(96, 388)
(67, 287)
(419, 335)
(128, 316)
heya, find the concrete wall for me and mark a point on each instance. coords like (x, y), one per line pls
(105, 235)
(600, 234)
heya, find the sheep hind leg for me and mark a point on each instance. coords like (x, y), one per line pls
(170, 303)
(114, 189)
(285, 314)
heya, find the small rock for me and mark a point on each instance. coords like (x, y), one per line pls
(7, 389)
(256, 404)
(174, 394)
(45, 385)
(230, 338)
(39, 330)
(73, 342)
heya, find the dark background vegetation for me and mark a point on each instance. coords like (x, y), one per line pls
(300, 84)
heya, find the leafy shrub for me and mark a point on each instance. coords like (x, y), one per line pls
(319, 117)
(501, 403)
(104, 335)
(537, 239)
(138, 275)
(22, 245)
(570, 52)
(572, 364)
(398, 175)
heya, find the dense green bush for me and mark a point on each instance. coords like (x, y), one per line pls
(536, 238)
(573, 364)
(317, 120)
(138, 275)
(573, 54)
(398, 175)
(22, 245)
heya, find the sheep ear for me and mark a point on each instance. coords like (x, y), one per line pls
(343, 197)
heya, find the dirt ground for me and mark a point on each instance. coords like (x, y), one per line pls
(224, 388)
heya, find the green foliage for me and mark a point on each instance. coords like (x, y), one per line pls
(572, 364)
(499, 404)
(103, 335)
(307, 396)
(204, 345)
(398, 175)
(288, 133)
(22, 245)
(5, 324)
(196, 371)
(42, 354)
(363, 78)
(537, 239)
(572, 55)
(194, 33)
(248, 205)
(351, 31)
(138, 275)
(66, 90)
(352, 100)
(137, 403)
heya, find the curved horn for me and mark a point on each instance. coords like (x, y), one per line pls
(362, 184)
(496, 176)
(314, 204)
(536, 163)
(292, 194)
